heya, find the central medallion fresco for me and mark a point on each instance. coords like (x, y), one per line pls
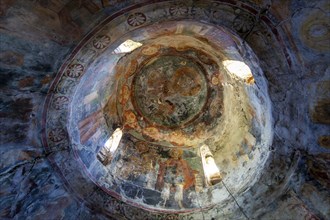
(167, 95)
(170, 90)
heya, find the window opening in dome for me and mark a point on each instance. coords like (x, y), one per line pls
(239, 69)
(127, 46)
(110, 146)
(211, 170)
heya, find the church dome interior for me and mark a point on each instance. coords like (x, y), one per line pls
(144, 109)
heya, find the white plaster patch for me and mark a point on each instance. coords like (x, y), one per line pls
(90, 97)
(219, 195)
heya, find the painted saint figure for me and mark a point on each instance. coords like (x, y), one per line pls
(175, 175)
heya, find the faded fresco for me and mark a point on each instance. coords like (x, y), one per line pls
(168, 99)
(168, 174)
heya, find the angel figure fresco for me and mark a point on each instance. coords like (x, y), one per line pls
(174, 176)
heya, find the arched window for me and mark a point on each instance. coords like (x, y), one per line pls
(127, 46)
(240, 70)
(211, 170)
(106, 153)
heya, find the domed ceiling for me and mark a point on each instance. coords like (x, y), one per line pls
(167, 113)
(163, 111)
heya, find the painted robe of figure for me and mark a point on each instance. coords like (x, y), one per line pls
(175, 175)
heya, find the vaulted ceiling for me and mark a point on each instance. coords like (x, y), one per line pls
(114, 109)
